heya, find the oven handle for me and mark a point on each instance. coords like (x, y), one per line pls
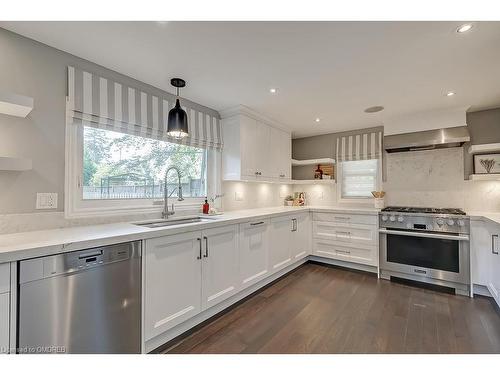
(426, 235)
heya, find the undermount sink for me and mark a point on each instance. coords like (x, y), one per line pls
(169, 222)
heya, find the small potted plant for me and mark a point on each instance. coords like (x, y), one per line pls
(289, 201)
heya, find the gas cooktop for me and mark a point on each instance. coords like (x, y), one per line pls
(425, 210)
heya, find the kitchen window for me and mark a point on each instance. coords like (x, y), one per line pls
(110, 173)
(357, 179)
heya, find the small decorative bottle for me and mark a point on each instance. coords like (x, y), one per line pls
(318, 173)
(206, 207)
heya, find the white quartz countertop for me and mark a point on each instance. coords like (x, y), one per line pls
(479, 215)
(17, 246)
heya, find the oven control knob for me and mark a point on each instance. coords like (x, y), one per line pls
(460, 223)
(401, 219)
(440, 222)
(392, 218)
(450, 222)
(384, 218)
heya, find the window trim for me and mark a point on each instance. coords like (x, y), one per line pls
(358, 200)
(76, 207)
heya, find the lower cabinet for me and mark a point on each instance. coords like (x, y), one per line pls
(280, 244)
(494, 269)
(354, 239)
(301, 236)
(4, 322)
(187, 273)
(220, 266)
(254, 250)
(172, 281)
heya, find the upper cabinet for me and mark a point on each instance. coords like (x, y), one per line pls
(254, 148)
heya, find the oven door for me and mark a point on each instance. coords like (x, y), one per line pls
(433, 255)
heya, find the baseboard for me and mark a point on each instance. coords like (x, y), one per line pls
(343, 264)
(481, 290)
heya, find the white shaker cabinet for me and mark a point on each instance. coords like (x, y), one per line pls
(280, 254)
(254, 149)
(494, 269)
(481, 251)
(301, 236)
(172, 281)
(4, 307)
(4, 322)
(254, 249)
(220, 265)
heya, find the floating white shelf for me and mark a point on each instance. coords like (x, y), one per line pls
(312, 182)
(313, 161)
(485, 177)
(15, 164)
(15, 105)
(487, 147)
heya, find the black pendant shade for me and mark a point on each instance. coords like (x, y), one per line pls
(177, 124)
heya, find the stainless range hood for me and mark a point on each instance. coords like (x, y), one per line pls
(427, 140)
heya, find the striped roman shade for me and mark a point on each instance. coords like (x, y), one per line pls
(103, 103)
(361, 144)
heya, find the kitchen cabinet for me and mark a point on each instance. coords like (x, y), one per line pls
(220, 265)
(255, 150)
(172, 281)
(254, 250)
(301, 236)
(4, 277)
(4, 322)
(188, 273)
(280, 244)
(281, 153)
(480, 246)
(346, 237)
(485, 256)
(494, 269)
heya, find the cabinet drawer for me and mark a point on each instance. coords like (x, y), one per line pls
(256, 223)
(345, 218)
(4, 277)
(346, 233)
(334, 250)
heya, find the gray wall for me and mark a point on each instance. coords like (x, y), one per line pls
(39, 71)
(484, 127)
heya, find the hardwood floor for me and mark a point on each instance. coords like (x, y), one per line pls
(320, 309)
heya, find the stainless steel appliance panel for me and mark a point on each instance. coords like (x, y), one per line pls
(87, 301)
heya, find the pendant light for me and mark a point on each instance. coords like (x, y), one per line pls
(177, 125)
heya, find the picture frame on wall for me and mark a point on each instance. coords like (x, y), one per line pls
(487, 163)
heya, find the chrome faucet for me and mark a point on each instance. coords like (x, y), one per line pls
(166, 212)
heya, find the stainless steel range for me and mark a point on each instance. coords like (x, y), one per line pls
(426, 244)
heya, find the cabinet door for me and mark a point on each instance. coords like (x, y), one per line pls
(172, 281)
(480, 246)
(279, 251)
(301, 237)
(494, 274)
(263, 155)
(248, 146)
(254, 247)
(220, 270)
(4, 322)
(285, 157)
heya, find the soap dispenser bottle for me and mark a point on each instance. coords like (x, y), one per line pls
(206, 206)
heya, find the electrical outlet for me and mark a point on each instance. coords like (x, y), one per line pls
(46, 201)
(238, 196)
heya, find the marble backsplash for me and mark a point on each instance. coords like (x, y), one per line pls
(423, 178)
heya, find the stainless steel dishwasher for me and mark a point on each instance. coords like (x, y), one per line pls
(86, 301)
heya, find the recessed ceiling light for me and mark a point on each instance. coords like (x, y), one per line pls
(374, 109)
(464, 28)
(273, 90)
(450, 93)
(317, 119)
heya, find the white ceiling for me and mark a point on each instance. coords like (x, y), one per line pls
(330, 70)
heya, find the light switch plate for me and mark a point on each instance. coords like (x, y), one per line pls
(46, 201)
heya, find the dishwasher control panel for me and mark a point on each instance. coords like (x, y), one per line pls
(41, 268)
